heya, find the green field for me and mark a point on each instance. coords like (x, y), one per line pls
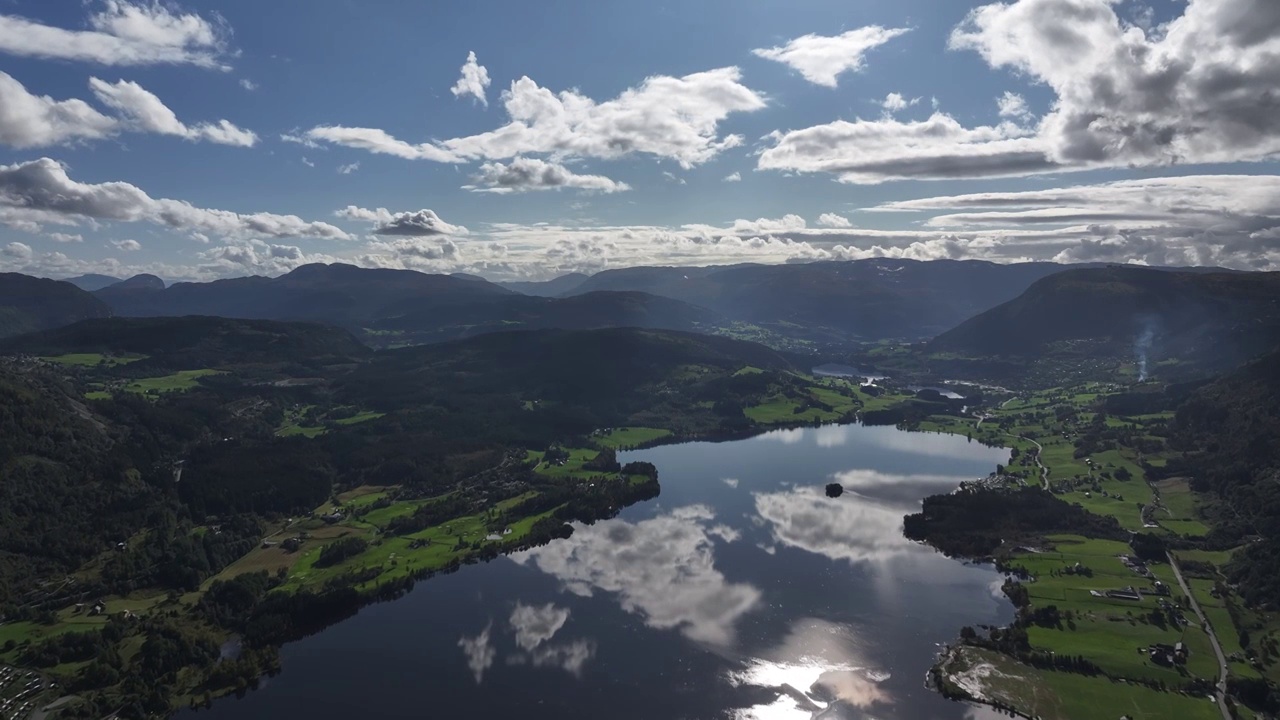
(93, 359)
(1110, 632)
(572, 468)
(363, 416)
(1067, 696)
(177, 382)
(631, 437)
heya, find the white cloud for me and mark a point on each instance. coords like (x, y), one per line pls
(894, 102)
(833, 220)
(41, 191)
(126, 245)
(759, 226)
(1199, 89)
(667, 117)
(526, 174)
(418, 223)
(1013, 106)
(348, 168)
(1186, 220)
(672, 177)
(821, 59)
(307, 162)
(17, 251)
(248, 84)
(474, 80)
(65, 237)
(733, 177)
(873, 151)
(28, 120)
(143, 111)
(374, 141)
(123, 33)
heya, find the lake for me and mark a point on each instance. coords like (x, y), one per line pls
(742, 592)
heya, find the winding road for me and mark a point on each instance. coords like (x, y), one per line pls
(1221, 694)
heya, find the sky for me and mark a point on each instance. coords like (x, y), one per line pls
(197, 139)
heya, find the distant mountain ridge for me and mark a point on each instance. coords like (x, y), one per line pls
(554, 287)
(28, 304)
(870, 299)
(1224, 315)
(92, 281)
(589, 311)
(344, 295)
(192, 342)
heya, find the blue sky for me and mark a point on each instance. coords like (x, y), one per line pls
(242, 130)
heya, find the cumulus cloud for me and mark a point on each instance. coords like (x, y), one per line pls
(666, 117)
(348, 168)
(28, 120)
(821, 59)
(474, 80)
(833, 220)
(126, 245)
(248, 84)
(1013, 106)
(733, 177)
(65, 237)
(418, 223)
(526, 174)
(41, 191)
(123, 33)
(142, 110)
(18, 251)
(894, 102)
(1199, 89)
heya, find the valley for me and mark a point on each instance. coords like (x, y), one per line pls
(225, 482)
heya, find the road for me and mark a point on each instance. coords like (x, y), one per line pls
(1221, 694)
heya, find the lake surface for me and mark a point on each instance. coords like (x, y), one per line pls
(741, 580)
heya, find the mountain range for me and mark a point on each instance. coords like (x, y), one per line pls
(1219, 319)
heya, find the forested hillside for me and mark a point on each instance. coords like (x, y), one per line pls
(1216, 319)
(1232, 428)
(28, 304)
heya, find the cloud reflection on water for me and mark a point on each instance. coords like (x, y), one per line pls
(479, 652)
(662, 569)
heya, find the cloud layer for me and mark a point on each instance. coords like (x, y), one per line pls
(123, 33)
(665, 117)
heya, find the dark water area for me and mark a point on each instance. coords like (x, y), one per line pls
(743, 592)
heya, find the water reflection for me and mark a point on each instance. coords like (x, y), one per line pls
(479, 652)
(829, 436)
(817, 667)
(535, 625)
(858, 531)
(662, 569)
(742, 592)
